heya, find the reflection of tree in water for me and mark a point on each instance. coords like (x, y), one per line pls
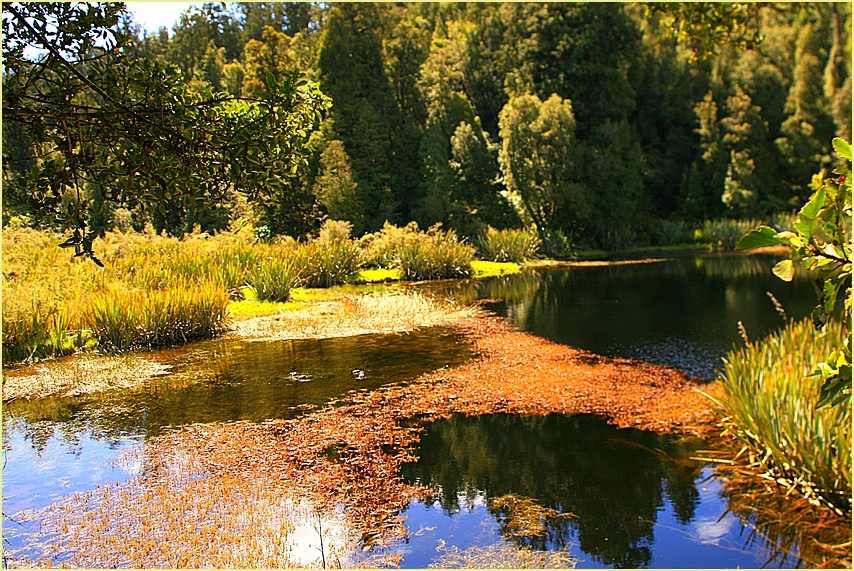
(223, 380)
(612, 480)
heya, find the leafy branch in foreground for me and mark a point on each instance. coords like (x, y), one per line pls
(820, 242)
(105, 123)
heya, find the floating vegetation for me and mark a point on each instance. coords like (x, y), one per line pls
(523, 517)
(232, 479)
(499, 556)
(79, 376)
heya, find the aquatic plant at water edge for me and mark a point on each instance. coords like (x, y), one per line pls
(273, 277)
(439, 255)
(329, 260)
(124, 319)
(381, 249)
(510, 245)
(769, 403)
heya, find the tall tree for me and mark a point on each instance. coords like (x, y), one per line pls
(365, 113)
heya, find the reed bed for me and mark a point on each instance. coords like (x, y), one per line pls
(156, 290)
(769, 404)
(511, 245)
(439, 255)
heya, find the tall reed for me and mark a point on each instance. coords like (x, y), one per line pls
(510, 245)
(769, 403)
(438, 255)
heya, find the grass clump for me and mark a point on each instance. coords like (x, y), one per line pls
(769, 403)
(126, 319)
(724, 233)
(381, 249)
(331, 259)
(273, 277)
(437, 255)
(511, 245)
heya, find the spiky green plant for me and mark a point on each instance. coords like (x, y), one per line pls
(510, 245)
(769, 403)
(438, 255)
(275, 276)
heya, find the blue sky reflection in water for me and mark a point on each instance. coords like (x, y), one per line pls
(637, 499)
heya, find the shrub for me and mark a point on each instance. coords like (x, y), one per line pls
(769, 403)
(123, 319)
(437, 255)
(511, 245)
(381, 249)
(331, 259)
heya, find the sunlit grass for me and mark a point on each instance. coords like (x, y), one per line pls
(769, 403)
(486, 269)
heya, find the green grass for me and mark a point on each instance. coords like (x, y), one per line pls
(438, 255)
(769, 403)
(509, 245)
(486, 269)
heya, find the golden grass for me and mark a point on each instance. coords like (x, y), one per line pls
(384, 312)
(499, 556)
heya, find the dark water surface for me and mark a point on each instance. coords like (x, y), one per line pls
(681, 312)
(636, 499)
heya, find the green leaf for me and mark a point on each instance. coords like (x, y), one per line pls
(842, 148)
(758, 238)
(806, 217)
(784, 270)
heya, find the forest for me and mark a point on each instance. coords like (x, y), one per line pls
(602, 125)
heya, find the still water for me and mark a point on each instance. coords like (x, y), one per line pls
(681, 312)
(630, 498)
(638, 498)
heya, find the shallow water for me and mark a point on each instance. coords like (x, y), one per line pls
(636, 499)
(58, 446)
(682, 312)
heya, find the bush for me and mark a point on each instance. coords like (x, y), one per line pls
(124, 319)
(664, 232)
(437, 255)
(331, 259)
(381, 249)
(769, 403)
(511, 245)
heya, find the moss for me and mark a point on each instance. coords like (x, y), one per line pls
(484, 269)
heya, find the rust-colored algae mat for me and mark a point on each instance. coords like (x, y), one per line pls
(219, 494)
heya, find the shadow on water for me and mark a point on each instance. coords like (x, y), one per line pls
(681, 312)
(629, 498)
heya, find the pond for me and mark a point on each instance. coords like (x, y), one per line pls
(682, 312)
(615, 497)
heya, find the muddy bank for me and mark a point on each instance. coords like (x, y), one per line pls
(346, 456)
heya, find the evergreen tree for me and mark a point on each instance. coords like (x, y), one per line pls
(365, 113)
(336, 190)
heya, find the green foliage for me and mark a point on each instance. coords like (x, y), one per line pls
(274, 276)
(820, 242)
(511, 245)
(89, 108)
(725, 233)
(382, 248)
(331, 259)
(438, 255)
(336, 190)
(539, 159)
(770, 403)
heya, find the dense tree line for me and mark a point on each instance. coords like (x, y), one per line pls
(590, 121)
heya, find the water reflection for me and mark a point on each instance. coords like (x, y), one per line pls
(229, 379)
(636, 498)
(682, 312)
